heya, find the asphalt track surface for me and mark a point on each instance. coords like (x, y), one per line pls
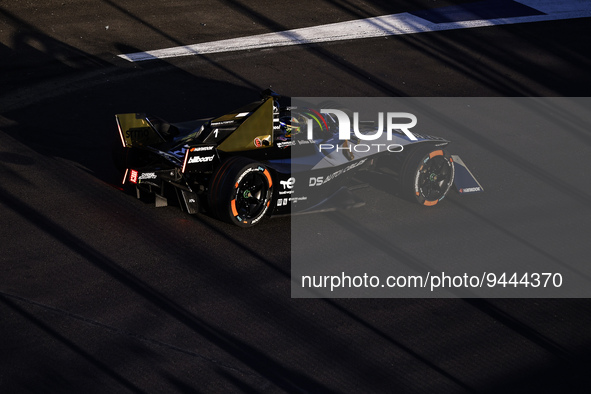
(101, 293)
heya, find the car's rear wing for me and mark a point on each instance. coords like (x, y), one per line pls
(136, 130)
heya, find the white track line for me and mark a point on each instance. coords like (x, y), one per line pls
(387, 25)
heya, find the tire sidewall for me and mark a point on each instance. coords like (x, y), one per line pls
(417, 161)
(227, 184)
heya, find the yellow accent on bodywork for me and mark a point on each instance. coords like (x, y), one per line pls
(135, 131)
(259, 122)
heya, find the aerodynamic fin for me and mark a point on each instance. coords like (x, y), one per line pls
(464, 181)
(250, 126)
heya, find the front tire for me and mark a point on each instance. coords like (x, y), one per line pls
(240, 192)
(427, 175)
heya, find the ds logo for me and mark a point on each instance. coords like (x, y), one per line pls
(316, 181)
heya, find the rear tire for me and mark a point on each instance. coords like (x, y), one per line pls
(427, 175)
(240, 192)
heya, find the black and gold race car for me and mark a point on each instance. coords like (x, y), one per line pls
(265, 159)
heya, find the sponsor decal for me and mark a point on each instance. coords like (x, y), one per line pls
(147, 175)
(321, 180)
(133, 175)
(225, 122)
(200, 159)
(201, 148)
(288, 184)
(470, 189)
(138, 133)
(286, 144)
(258, 142)
(282, 202)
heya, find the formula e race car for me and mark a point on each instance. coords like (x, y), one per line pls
(265, 159)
